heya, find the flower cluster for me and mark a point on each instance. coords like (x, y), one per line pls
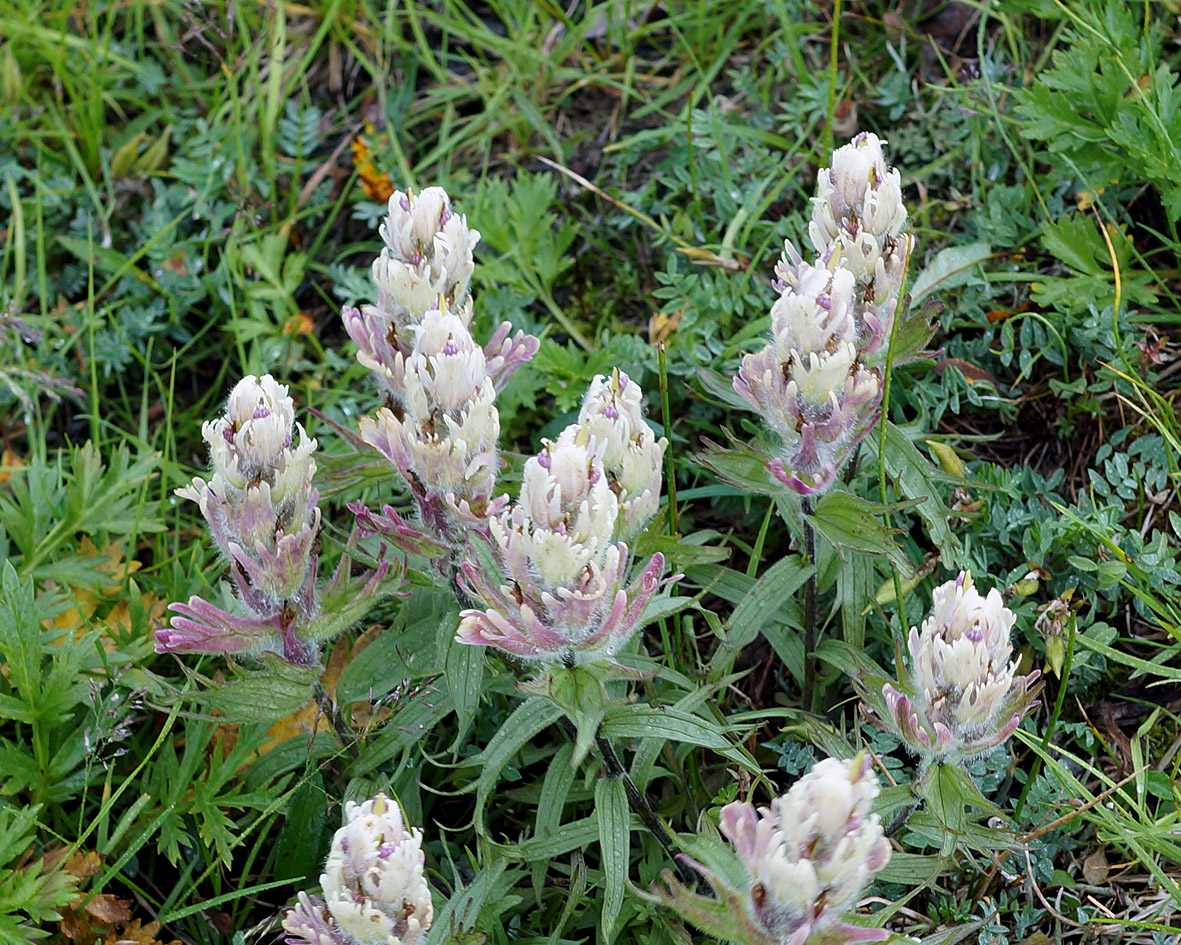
(554, 593)
(961, 695)
(442, 439)
(812, 383)
(807, 857)
(808, 383)
(374, 889)
(858, 216)
(613, 414)
(262, 513)
(439, 425)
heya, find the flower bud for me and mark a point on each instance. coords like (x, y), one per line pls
(375, 892)
(613, 415)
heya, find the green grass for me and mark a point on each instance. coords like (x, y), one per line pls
(181, 208)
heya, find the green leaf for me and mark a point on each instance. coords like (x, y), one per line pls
(581, 692)
(763, 600)
(949, 269)
(529, 718)
(614, 842)
(916, 477)
(559, 778)
(463, 667)
(910, 869)
(539, 850)
(850, 524)
(642, 721)
(298, 851)
(258, 695)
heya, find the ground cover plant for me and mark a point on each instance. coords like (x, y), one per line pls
(603, 472)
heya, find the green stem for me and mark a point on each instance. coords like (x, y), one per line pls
(1037, 764)
(668, 435)
(903, 815)
(639, 803)
(810, 692)
(833, 50)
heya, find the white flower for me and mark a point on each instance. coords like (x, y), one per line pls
(612, 413)
(857, 194)
(260, 503)
(427, 256)
(566, 515)
(961, 655)
(810, 854)
(443, 439)
(250, 440)
(373, 881)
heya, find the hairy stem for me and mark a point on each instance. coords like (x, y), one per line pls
(904, 812)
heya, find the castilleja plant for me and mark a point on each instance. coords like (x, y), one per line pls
(552, 581)
(442, 437)
(262, 511)
(374, 889)
(858, 218)
(807, 383)
(439, 424)
(806, 860)
(957, 694)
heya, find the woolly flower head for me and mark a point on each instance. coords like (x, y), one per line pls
(442, 438)
(427, 255)
(807, 383)
(808, 857)
(374, 889)
(252, 441)
(553, 586)
(857, 195)
(961, 695)
(613, 414)
(260, 503)
(810, 854)
(567, 506)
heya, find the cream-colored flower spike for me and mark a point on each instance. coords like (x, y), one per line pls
(443, 439)
(375, 892)
(961, 695)
(261, 508)
(808, 857)
(807, 383)
(613, 414)
(427, 255)
(569, 508)
(858, 218)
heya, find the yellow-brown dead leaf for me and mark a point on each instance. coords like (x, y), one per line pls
(376, 183)
(137, 933)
